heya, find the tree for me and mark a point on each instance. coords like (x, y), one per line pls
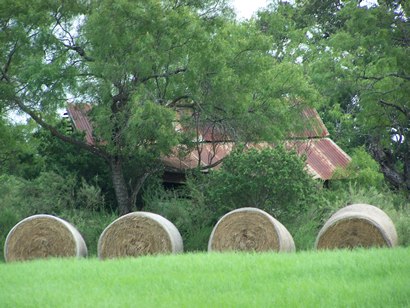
(357, 56)
(137, 62)
(368, 60)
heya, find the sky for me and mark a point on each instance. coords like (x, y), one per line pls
(245, 8)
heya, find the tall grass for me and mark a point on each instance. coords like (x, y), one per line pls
(358, 278)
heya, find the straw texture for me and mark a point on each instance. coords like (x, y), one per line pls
(43, 236)
(357, 225)
(250, 229)
(138, 234)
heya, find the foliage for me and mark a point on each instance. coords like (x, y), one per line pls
(90, 223)
(156, 59)
(363, 71)
(356, 54)
(193, 219)
(272, 179)
(18, 151)
(68, 160)
(363, 171)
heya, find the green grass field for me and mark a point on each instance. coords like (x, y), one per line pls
(358, 278)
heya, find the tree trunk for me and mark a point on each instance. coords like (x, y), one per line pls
(394, 177)
(407, 170)
(120, 187)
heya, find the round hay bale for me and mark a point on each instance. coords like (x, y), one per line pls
(138, 234)
(43, 236)
(250, 229)
(357, 225)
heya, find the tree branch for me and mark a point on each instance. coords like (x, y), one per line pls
(165, 75)
(213, 165)
(72, 46)
(135, 190)
(80, 51)
(8, 63)
(403, 110)
(378, 78)
(176, 100)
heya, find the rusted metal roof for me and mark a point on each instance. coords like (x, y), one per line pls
(311, 125)
(203, 155)
(78, 114)
(323, 156)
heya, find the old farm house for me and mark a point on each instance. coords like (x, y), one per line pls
(323, 155)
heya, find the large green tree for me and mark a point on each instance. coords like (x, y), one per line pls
(357, 55)
(364, 69)
(137, 63)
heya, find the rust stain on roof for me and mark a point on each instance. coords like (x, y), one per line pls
(323, 155)
(205, 154)
(312, 125)
(78, 114)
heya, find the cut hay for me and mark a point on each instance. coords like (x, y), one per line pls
(43, 236)
(250, 229)
(137, 234)
(357, 225)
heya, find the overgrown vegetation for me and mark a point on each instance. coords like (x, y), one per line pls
(283, 189)
(246, 80)
(273, 180)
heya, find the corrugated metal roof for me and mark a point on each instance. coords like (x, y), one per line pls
(78, 114)
(311, 125)
(205, 154)
(323, 155)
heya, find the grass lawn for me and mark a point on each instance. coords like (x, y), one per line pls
(358, 278)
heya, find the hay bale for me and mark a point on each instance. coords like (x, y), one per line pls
(43, 236)
(357, 225)
(138, 234)
(250, 229)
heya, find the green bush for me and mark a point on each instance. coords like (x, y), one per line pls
(272, 179)
(192, 219)
(362, 171)
(90, 224)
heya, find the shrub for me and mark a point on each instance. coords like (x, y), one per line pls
(193, 220)
(90, 224)
(90, 197)
(49, 193)
(362, 171)
(272, 179)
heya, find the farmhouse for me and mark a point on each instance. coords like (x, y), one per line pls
(323, 155)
